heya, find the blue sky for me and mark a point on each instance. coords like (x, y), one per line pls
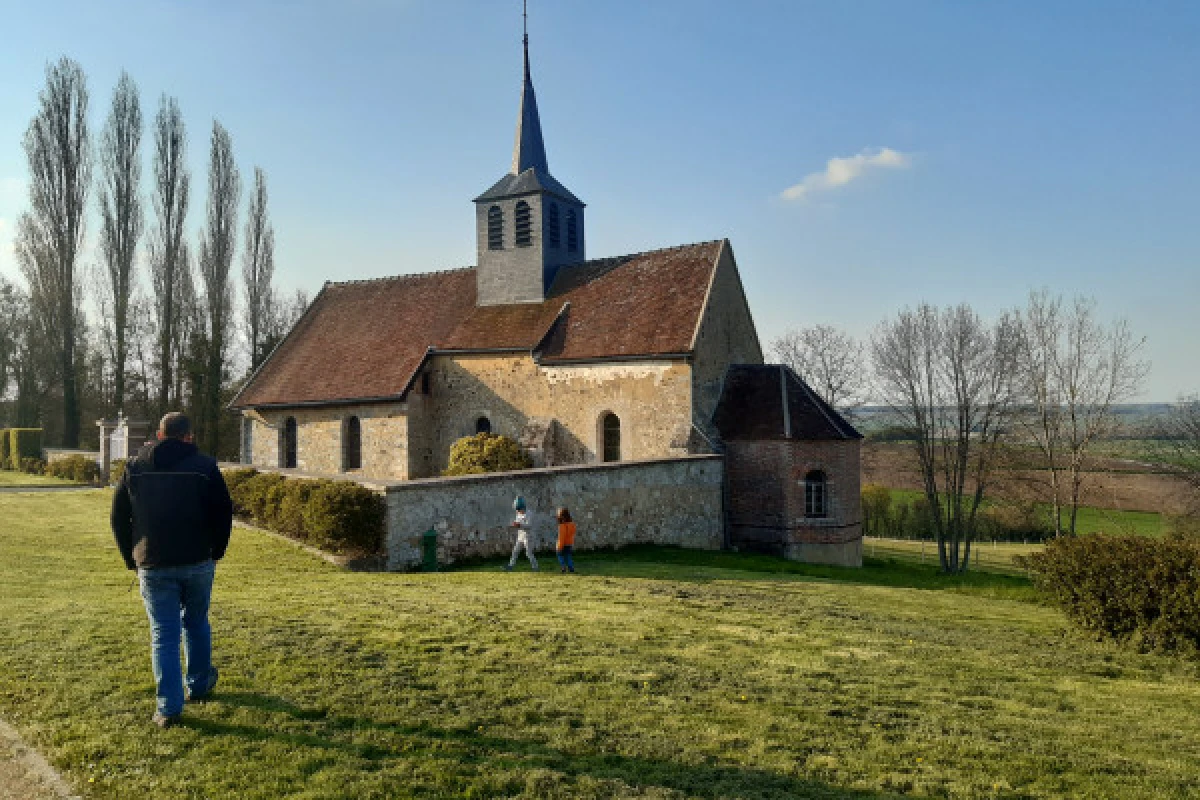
(982, 149)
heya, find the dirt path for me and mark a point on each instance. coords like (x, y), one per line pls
(24, 774)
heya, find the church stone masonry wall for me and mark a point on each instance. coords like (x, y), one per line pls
(726, 335)
(319, 439)
(665, 501)
(652, 400)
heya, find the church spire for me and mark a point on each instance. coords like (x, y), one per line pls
(529, 150)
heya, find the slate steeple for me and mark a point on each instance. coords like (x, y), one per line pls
(527, 224)
(529, 151)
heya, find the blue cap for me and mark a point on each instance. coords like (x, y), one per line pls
(519, 503)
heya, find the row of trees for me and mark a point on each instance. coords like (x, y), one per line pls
(165, 336)
(1047, 376)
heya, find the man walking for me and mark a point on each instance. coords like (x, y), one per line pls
(171, 516)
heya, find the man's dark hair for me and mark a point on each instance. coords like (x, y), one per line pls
(175, 425)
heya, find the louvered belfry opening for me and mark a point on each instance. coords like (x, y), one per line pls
(495, 228)
(523, 220)
(551, 223)
(572, 231)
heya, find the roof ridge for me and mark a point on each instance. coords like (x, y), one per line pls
(401, 277)
(647, 252)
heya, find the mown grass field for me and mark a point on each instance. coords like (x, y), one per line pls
(10, 477)
(653, 673)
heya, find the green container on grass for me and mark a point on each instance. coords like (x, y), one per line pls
(429, 561)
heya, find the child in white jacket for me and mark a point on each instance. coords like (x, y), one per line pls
(521, 523)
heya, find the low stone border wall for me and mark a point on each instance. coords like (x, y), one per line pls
(672, 501)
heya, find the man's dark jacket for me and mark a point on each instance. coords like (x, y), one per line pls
(171, 507)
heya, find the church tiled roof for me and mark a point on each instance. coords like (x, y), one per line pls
(366, 340)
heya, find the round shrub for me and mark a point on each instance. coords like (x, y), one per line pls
(1128, 588)
(341, 516)
(486, 452)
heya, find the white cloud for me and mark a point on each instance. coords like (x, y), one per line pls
(840, 171)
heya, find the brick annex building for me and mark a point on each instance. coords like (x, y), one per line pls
(580, 361)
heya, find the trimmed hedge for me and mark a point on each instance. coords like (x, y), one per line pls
(899, 518)
(116, 470)
(1135, 589)
(79, 469)
(486, 452)
(339, 516)
(4, 447)
(24, 443)
(33, 466)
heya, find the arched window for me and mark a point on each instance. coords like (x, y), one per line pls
(352, 444)
(287, 450)
(610, 433)
(551, 223)
(247, 440)
(815, 495)
(495, 228)
(522, 220)
(572, 231)
(483, 425)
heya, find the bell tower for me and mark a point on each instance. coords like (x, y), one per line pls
(528, 224)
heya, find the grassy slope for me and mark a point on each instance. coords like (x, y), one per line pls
(703, 677)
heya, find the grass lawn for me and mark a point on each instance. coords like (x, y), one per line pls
(654, 673)
(10, 477)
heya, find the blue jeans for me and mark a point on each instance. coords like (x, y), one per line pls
(564, 557)
(175, 598)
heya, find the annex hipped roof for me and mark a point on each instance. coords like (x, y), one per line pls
(770, 401)
(365, 340)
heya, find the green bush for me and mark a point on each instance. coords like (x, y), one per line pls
(1130, 588)
(894, 517)
(33, 466)
(79, 469)
(116, 470)
(250, 499)
(24, 443)
(236, 477)
(486, 452)
(5, 463)
(876, 509)
(341, 516)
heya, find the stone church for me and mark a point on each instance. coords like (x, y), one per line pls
(579, 360)
(642, 356)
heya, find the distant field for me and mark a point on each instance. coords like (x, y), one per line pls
(985, 556)
(1089, 519)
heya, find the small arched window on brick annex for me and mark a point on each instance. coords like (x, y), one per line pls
(288, 444)
(610, 437)
(495, 228)
(572, 231)
(483, 425)
(550, 221)
(523, 225)
(816, 495)
(351, 444)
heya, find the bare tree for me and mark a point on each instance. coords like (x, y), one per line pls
(121, 221)
(217, 243)
(1181, 431)
(1074, 370)
(949, 378)
(829, 360)
(169, 269)
(12, 324)
(49, 236)
(258, 267)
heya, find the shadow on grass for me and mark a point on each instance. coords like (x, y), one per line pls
(682, 564)
(468, 753)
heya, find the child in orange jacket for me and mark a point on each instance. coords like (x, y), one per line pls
(566, 540)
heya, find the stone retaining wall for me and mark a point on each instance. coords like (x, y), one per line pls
(673, 501)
